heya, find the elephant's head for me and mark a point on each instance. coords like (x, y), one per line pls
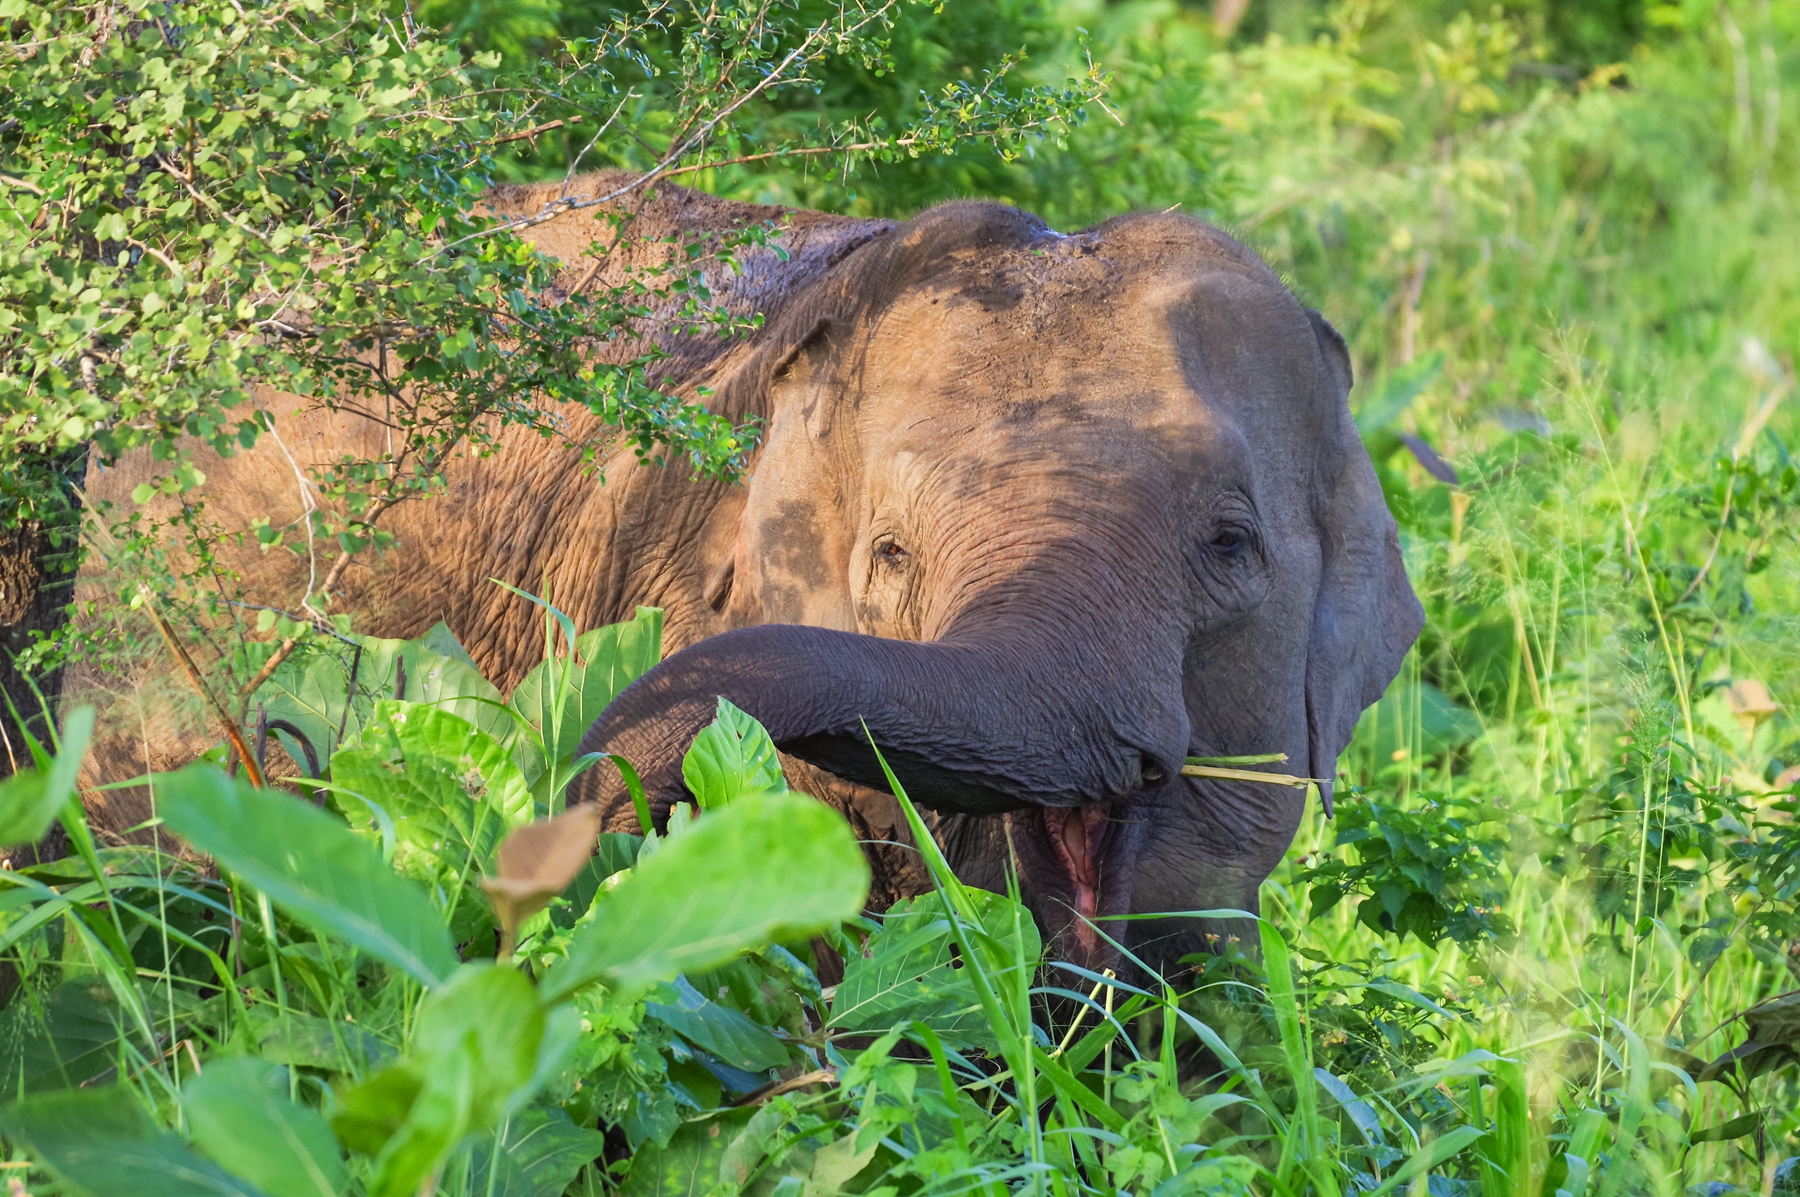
(1051, 514)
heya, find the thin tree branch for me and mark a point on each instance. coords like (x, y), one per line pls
(187, 664)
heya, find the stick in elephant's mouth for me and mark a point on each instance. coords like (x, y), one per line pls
(1079, 835)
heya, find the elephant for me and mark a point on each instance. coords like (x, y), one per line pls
(1039, 515)
(1042, 516)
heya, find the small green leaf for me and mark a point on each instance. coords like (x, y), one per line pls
(731, 758)
(1736, 1128)
(111, 227)
(239, 1113)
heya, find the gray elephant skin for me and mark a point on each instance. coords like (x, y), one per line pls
(1046, 513)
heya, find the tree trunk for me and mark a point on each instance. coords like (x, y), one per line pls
(40, 524)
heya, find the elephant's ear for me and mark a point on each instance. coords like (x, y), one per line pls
(1367, 615)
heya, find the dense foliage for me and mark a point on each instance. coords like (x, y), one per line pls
(1543, 949)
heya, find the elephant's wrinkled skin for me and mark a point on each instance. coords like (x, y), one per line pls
(1048, 513)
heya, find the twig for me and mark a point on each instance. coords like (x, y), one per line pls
(187, 664)
(822, 1076)
(587, 278)
(575, 161)
(559, 206)
(525, 134)
(331, 579)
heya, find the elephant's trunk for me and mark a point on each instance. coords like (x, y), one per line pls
(977, 728)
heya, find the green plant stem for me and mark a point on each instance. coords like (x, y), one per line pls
(268, 921)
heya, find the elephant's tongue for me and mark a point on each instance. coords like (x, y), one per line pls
(1079, 835)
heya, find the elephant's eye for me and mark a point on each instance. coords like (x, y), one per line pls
(1229, 540)
(889, 552)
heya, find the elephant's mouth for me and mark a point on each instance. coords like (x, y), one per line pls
(1079, 836)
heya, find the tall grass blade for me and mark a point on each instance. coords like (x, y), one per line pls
(32, 799)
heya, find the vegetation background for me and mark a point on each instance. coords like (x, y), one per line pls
(1558, 239)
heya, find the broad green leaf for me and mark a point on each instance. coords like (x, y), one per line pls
(541, 698)
(1735, 1128)
(312, 689)
(311, 865)
(59, 1039)
(482, 1044)
(549, 1148)
(561, 698)
(1409, 995)
(31, 799)
(416, 730)
(1360, 1111)
(732, 757)
(540, 1154)
(617, 655)
(730, 1035)
(475, 1169)
(615, 852)
(441, 641)
(239, 1113)
(907, 971)
(764, 869)
(440, 673)
(307, 691)
(451, 790)
(103, 1142)
(689, 1165)
(307, 1041)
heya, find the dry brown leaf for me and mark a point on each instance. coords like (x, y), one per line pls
(537, 863)
(1751, 702)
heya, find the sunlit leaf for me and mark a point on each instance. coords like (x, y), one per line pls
(733, 756)
(764, 869)
(482, 1045)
